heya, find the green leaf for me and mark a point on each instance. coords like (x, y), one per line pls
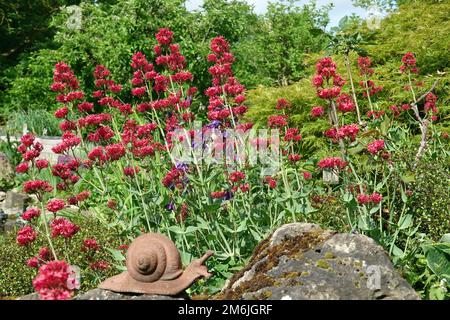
(116, 254)
(438, 259)
(405, 222)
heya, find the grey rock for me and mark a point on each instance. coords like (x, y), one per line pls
(6, 170)
(100, 294)
(301, 262)
(2, 195)
(15, 203)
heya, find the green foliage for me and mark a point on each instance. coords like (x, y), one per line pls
(40, 122)
(16, 277)
(431, 202)
(109, 35)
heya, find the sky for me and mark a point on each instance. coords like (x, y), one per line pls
(341, 8)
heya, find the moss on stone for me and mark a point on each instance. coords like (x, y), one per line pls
(322, 264)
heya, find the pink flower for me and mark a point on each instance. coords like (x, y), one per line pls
(376, 198)
(61, 113)
(236, 176)
(26, 235)
(41, 164)
(22, 167)
(277, 121)
(376, 146)
(317, 112)
(83, 195)
(363, 198)
(164, 36)
(91, 244)
(332, 162)
(218, 194)
(52, 281)
(294, 157)
(63, 227)
(34, 186)
(55, 205)
(131, 171)
(33, 262)
(307, 175)
(30, 214)
(271, 182)
(99, 265)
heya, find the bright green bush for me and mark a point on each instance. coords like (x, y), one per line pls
(16, 277)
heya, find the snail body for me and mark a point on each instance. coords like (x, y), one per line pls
(154, 267)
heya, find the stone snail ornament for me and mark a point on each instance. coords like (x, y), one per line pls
(154, 267)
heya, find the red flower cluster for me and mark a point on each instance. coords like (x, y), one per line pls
(131, 171)
(26, 235)
(90, 244)
(52, 281)
(224, 87)
(277, 121)
(326, 72)
(409, 63)
(236, 176)
(37, 186)
(55, 205)
(317, 112)
(271, 182)
(292, 134)
(283, 104)
(347, 131)
(364, 64)
(369, 88)
(430, 103)
(374, 198)
(30, 214)
(63, 227)
(375, 146)
(345, 103)
(332, 162)
(30, 150)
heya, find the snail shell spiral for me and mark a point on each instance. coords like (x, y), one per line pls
(152, 257)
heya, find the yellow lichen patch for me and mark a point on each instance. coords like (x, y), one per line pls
(329, 255)
(322, 264)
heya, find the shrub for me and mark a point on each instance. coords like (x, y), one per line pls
(16, 277)
(431, 202)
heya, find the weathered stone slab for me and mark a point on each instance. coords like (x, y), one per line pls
(302, 261)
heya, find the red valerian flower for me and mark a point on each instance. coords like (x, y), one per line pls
(236, 176)
(22, 167)
(91, 244)
(35, 186)
(131, 171)
(27, 139)
(55, 205)
(409, 63)
(33, 262)
(376, 198)
(83, 195)
(164, 36)
(375, 146)
(218, 194)
(332, 162)
(62, 112)
(41, 164)
(294, 157)
(271, 182)
(52, 281)
(307, 175)
(277, 121)
(99, 265)
(292, 135)
(317, 112)
(30, 214)
(364, 64)
(282, 104)
(345, 103)
(63, 227)
(26, 235)
(115, 151)
(45, 254)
